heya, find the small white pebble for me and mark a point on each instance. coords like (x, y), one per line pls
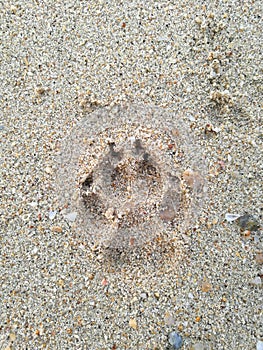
(48, 170)
(71, 216)
(256, 281)
(232, 217)
(35, 250)
(52, 214)
(33, 204)
(191, 117)
(260, 345)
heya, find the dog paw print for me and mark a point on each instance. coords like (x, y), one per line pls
(130, 173)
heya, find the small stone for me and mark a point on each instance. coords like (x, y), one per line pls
(206, 287)
(260, 345)
(71, 216)
(256, 281)
(198, 20)
(180, 327)
(232, 217)
(61, 283)
(33, 204)
(52, 214)
(90, 276)
(39, 90)
(191, 117)
(109, 214)
(144, 296)
(168, 319)
(246, 233)
(13, 9)
(199, 346)
(104, 282)
(56, 229)
(35, 250)
(248, 222)
(259, 258)
(211, 130)
(12, 336)
(175, 340)
(157, 295)
(48, 170)
(133, 323)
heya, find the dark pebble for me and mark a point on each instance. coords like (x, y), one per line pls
(248, 222)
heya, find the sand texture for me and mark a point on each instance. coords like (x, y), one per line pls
(70, 284)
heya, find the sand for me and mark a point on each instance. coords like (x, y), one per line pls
(59, 62)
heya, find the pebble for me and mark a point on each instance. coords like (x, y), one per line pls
(175, 340)
(199, 346)
(133, 323)
(71, 216)
(191, 296)
(144, 296)
(48, 170)
(256, 281)
(168, 319)
(232, 217)
(52, 214)
(248, 222)
(259, 258)
(56, 229)
(260, 345)
(206, 287)
(33, 204)
(12, 337)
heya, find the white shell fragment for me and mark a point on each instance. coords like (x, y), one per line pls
(52, 214)
(232, 217)
(71, 216)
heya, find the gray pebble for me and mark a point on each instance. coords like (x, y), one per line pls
(175, 340)
(248, 222)
(200, 346)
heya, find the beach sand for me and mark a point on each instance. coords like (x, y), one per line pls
(61, 60)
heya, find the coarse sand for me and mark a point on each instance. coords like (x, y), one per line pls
(60, 62)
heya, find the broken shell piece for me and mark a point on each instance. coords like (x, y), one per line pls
(232, 217)
(209, 128)
(109, 214)
(71, 216)
(52, 214)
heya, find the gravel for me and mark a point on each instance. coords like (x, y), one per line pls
(59, 62)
